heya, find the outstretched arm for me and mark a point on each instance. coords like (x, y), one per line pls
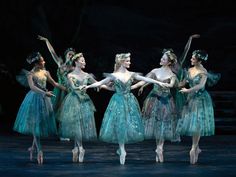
(186, 48)
(142, 83)
(146, 79)
(51, 50)
(137, 85)
(106, 87)
(97, 84)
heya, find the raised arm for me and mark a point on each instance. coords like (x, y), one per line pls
(186, 48)
(51, 50)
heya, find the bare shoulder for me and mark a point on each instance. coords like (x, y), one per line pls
(155, 70)
(114, 74)
(71, 74)
(204, 70)
(190, 69)
(45, 72)
(172, 74)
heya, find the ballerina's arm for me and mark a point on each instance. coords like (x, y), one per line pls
(196, 87)
(51, 50)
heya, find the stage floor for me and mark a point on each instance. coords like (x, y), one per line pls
(218, 158)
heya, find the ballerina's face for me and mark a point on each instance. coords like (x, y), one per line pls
(126, 63)
(164, 60)
(194, 60)
(41, 63)
(81, 62)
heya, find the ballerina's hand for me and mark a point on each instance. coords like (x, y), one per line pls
(50, 94)
(83, 87)
(42, 38)
(184, 90)
(181, 84)
(195, 36)
(165, 85)
(140, 91)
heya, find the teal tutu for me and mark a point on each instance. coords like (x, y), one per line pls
(197, 117)
(122, 122)
(76, 117)
(36, 116)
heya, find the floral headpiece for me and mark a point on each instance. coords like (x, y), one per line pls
(69, 50)
(200, 55)
(78, 55)
(33, 57)
(121, 56)
(171, 55)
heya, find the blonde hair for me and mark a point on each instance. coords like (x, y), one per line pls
(171, 56)
(78, 55)
(120, 58)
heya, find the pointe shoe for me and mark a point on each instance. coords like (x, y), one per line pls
(31, 151)
(192, 155)
(122, 157)
(197, 152)
(159, 155)
(75, 154)
(40, 157)
(81, 155)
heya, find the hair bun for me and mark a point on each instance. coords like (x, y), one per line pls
(33, 57)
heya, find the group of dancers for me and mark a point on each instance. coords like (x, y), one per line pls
(165, 115)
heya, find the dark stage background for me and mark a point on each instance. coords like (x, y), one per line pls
(102, 28)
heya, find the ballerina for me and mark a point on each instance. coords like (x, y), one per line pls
(197, 118)
(63, 68)
(36, 116)
(76, 115)
(122, 121)
(159, 113)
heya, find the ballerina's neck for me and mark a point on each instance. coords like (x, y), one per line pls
(122, 70)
